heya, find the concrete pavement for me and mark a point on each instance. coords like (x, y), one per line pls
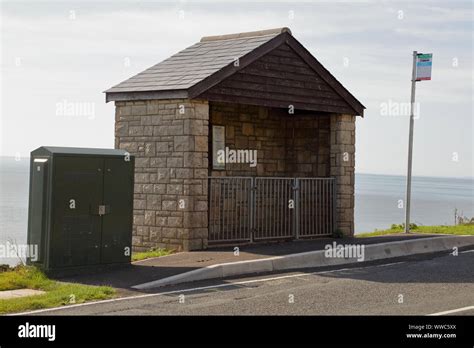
(163, 267)
(426, 285)
(339, 253)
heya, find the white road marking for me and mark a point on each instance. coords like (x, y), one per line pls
(463, 309)
(197, 289)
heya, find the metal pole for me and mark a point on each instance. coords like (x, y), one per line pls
(410, 145)
(296, 208)
(252, 209)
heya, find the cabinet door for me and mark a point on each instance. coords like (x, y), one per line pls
(118, 200)
(76, 236)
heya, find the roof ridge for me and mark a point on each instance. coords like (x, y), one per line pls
(246, 34)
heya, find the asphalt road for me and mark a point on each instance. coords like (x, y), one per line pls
(427, 286)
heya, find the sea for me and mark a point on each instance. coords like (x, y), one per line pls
(379, 200)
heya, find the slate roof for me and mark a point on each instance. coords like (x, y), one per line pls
(195, 63)
(196, 69)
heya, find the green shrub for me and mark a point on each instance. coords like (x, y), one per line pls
(151, 253)
(401, 226)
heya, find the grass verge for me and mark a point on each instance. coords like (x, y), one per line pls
(455, 230)
(149, 254)
(57, 293)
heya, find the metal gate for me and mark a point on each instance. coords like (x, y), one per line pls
(248, 209)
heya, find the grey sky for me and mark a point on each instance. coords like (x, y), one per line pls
(58, 53)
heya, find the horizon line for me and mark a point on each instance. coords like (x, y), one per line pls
(357, 172)
(418, 175)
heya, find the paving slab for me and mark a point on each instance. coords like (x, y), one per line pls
(9, 294)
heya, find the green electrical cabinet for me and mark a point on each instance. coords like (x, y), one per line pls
(80, 208)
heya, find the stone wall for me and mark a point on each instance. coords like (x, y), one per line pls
(287, 145)
(342, 168)
(170, 141)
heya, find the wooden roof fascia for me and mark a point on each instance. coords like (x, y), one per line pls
(144, 95)
(325, 74)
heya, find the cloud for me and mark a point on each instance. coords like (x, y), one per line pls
(77, 58)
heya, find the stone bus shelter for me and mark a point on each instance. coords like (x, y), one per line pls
(258, 91)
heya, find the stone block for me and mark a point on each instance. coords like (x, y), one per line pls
(142, 178)
(200, 173)
(149, 218)
(162, 146)
(142, 162)
(345, 189)
(183, 143)
(184, 173)
(142, 230)
(138, 219)
(201, 111)
(193, 127)
(149, 149)
(159, 188)
(175, 221)
(147, 188)
(192, 244)
(344, 137)
(155, 234)
(174, 189)
(169, 232)
(139, 204)
(201, 143)
(152, 109)
(169, 205)
(168, 130)
(247, 129)
(174, 162)
(138, 110)
(200, 206)
(161, 221)
(163, 175)
(131, 147)
(153, 202)
(194, 189)
(121, 129)
(193, 160)
(195, 219)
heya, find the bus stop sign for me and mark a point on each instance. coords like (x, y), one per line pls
(423, 66)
